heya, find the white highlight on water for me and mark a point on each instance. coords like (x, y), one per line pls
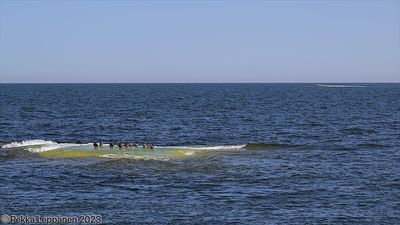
(38, 145)
(127, 156)
(218, 147)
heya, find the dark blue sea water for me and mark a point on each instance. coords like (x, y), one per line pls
(225, 153)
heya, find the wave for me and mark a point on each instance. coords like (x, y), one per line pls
(127, 156)
(52, 149)
(27, 143)
(217, 147)
(232, 147)
(267, 145)
(340, 86)
(39, 145)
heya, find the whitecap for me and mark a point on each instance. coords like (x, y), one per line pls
(217, 147)
(38, 145)
(127, 156)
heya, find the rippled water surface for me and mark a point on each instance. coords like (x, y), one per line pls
(224, 153)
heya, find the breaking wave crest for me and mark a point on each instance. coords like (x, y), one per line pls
(217, 147)
(27, 143)
(127, 156)
(52, 149)
(39, 145)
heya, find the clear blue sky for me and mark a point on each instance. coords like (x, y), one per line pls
(196, 41)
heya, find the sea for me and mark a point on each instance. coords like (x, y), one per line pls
(223, 153)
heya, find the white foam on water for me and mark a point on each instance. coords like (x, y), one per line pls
(27, 143)
(127, 156)
(39, 145)
(189, 153)
(218, 147)
(52, 147)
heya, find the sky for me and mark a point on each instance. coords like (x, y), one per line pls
(103, 41)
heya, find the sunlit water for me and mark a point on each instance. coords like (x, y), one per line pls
(224, 153)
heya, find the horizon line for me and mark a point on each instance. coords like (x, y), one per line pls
(380, 82)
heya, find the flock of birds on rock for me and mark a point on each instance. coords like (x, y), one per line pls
(123, 145)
